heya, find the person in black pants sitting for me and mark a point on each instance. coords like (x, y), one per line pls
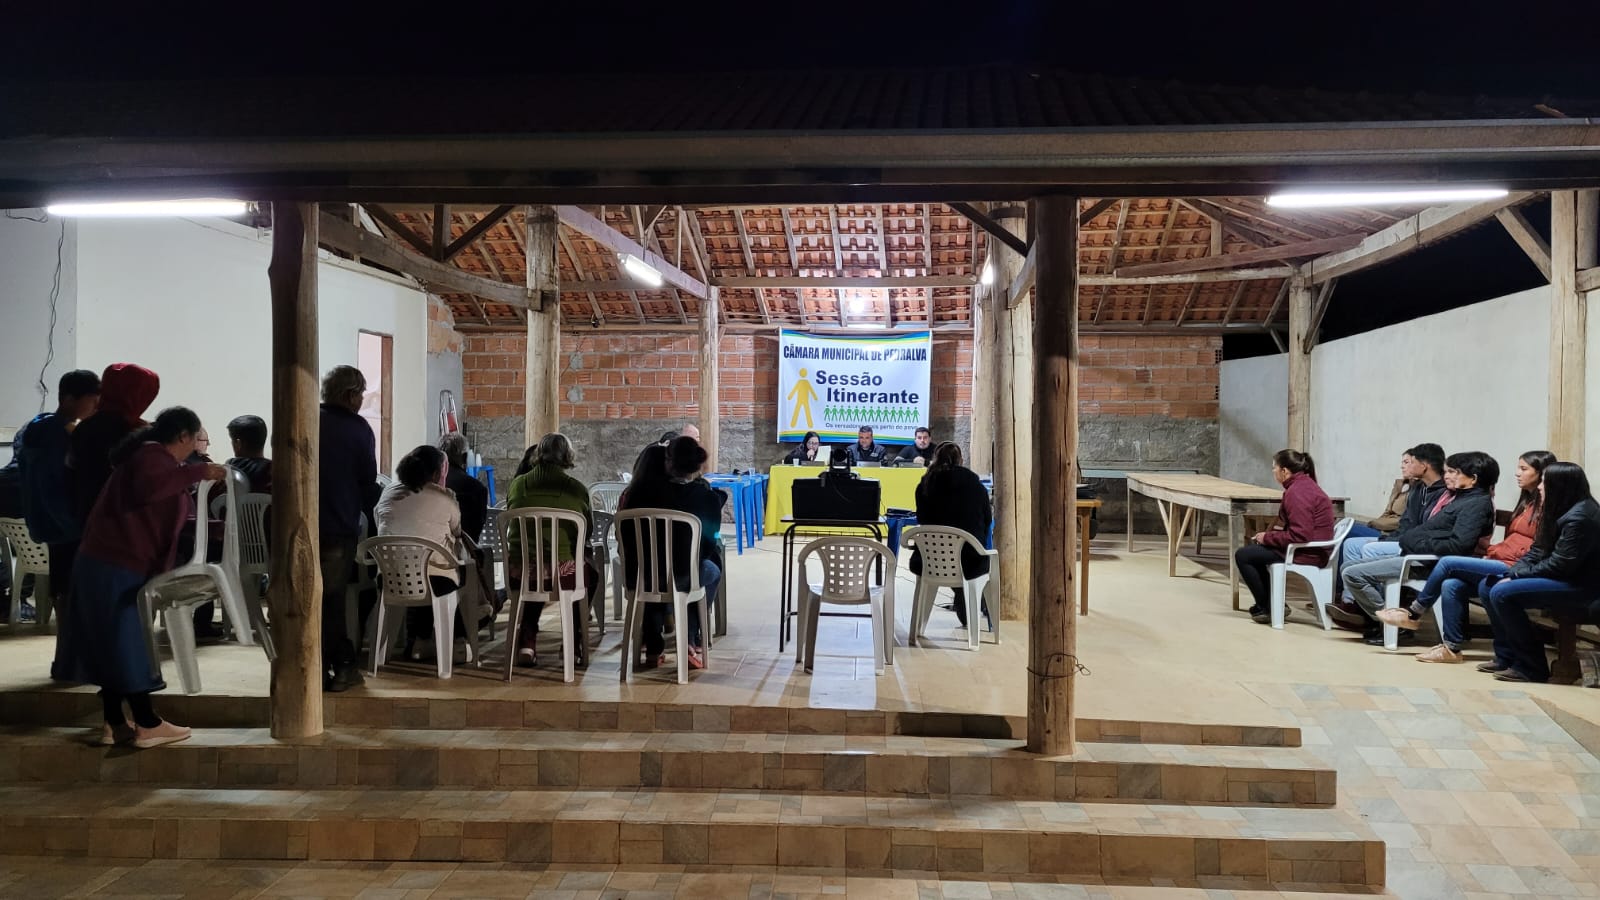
(1305, 516)
(950, 494)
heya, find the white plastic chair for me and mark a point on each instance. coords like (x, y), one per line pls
(846, 580)
(1319, 577)
(538, 541)
(244, 549)
(603, 499)
(940, 548)
(654, 534)
(1414, 572)
(27, 557)
(403, 569)
(175, 594)
(358, 585)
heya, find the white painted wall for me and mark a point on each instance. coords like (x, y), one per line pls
(190, 300)
(27, 272)
(1472, 378)
(1253, 416)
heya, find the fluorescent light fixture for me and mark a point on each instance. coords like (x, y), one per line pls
(857, 306)
(873, 325)
(1382, 197)
(986, 277)
(148, 209)
(641, 270)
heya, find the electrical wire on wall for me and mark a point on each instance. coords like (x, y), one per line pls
(55, 297)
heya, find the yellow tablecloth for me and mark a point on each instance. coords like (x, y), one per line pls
(899, 489)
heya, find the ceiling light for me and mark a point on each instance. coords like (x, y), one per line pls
(149, 209)
(1382, 197)
(875, 325)
(986, 277)
(641, 270)
(857, 306)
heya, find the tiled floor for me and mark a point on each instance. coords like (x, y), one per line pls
(1479, 794)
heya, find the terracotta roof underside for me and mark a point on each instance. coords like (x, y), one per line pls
(898, 240)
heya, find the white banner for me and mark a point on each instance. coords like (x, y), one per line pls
(834, 385)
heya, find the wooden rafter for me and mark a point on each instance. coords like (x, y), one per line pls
(1272, 225)
(1318, 310)
(648, 239)
(346, 237)
(478, 229)
(1230, 224)
(1233, 304)
(1297, 250)
(1188, 303)
(617, 242)
(838, 251)
(1095, 209)
(991, 227)
(750, 263)
(442, 221)
(1116, 244)
(577, 267)
(1161, 250)
(399, 229)
(883, 240)
(1412, 233)
(1521, 230)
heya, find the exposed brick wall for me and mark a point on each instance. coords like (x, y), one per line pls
(1143, 401)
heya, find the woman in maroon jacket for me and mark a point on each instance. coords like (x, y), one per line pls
(1305, 516)
(130, 535)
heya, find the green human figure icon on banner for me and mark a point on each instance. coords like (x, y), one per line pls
(802, 394)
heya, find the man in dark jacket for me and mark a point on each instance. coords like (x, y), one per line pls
(472, 495)
(45, 493)
(347, 487)
(921, 449)
(1457, 524)
(865, 449)
(1423, 467)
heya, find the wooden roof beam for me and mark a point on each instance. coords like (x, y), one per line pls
(750, 263)
(1161, 250)
(617, 242)
(990, 226)
(1427, 227)
(1300, 250)
(1521, 231)
(346, 237)
(848, 281)
(1094, 210)
(478, 229)
(400, 229)
(1233, 305)
(1116, 245)
(1191, 277)
(594, 304)
(1230, 224)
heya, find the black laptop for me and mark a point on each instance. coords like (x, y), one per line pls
(837, 498)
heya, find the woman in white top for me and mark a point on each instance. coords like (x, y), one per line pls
(417, 504)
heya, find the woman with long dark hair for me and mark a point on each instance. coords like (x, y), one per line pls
(1560, 572)
(952, 495)
(417, 504)
(130, 536)
(810, 450)
(1454, 580)
(1305, 516)
(669, 478)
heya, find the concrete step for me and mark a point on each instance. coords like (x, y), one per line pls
(879, 766)
(363, 709)
(1319, 849)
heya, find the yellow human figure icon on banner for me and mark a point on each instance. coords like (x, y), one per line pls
(802, 394)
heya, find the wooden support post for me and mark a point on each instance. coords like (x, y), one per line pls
(1568, 327)
(710, 379)
(1299, 432)
(1052, 479)
(295, 597)
(980, 453)
(1011, 496)
(542, 399)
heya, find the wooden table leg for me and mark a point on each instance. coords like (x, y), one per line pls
(1083, 563)
(1235, 527)
(1129, 510)
(1175, 521)
(1199, 529)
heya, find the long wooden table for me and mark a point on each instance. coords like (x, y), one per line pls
(1180, 497)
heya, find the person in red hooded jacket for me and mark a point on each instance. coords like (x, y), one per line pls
(1305, 516)
(126, 391)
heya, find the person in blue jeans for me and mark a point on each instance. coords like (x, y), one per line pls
(1455, 579)
(1560, 573)
(1424, 466)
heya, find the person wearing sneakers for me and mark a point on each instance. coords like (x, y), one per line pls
(1560, 572)
(1306, 515)
(1455, 579)
(130, 536)
(1459, 523)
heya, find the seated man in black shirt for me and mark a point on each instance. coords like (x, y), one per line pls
(865, 449)
(921, 450)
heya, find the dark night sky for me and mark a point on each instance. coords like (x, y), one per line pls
(1533, 49)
